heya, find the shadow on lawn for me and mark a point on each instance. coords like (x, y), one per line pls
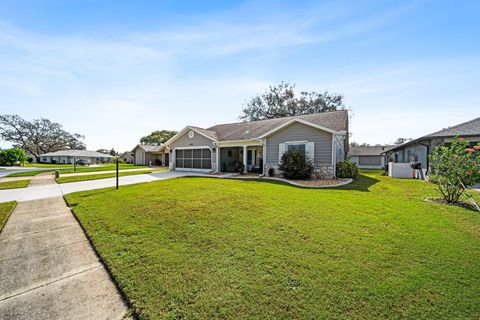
(361, 183)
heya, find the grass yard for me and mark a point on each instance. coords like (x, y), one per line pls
(202, 248)
(46, 165)
(69, 169)
(102, 176)
(6, 209)
(14, 184)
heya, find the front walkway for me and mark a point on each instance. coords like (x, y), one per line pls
(48, 270)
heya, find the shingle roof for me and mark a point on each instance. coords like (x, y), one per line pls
(76, 153)
(151, 148)
(209, 133)
(335, 120)
(469, 128)
(367, 150)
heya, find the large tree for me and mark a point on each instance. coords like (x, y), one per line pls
(38, 136)
(158, 137)
(282, 101)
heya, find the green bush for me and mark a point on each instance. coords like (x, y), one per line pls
(294, 165)
(347, 169)
(454, 167)
(10, 157)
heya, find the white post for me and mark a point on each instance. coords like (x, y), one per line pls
(245, 157)
(218, 159)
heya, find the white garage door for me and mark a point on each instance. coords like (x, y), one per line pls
(193, 159)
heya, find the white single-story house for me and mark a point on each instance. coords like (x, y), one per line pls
(69, 156)
(145, 155)
(368, 157)
(259, 145)
(127, 157)
(417, 151)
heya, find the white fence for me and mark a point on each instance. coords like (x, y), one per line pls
(401, 170)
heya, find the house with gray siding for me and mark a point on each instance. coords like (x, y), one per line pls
(259, 145)
(419, 150)
(368, 157)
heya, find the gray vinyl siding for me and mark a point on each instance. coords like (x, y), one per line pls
(370, 160)
(416, 152)
(197, 141)
(301, 132)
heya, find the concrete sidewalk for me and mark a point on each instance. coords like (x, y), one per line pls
(48, 270)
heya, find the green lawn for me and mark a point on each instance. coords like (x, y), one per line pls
(46, 165)
(6, 209)
(102, 176)
(203, 248)
(69, 169)
(14, 184)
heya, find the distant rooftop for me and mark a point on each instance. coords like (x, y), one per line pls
(367, 150)
(76, 153)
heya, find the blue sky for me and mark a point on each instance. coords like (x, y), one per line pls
(117, 70)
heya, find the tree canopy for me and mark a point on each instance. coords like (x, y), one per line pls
(158, 137)
(38, 136)
(10, 157)
(282, 101)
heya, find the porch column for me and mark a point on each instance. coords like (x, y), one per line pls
(245, 157)
(217, 157)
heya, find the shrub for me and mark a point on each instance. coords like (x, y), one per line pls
(294, 165)
(271, 172)
(240, 167)
(453, 167)
(347, 169)
(10, 157)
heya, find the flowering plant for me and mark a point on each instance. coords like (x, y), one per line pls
(454, 167)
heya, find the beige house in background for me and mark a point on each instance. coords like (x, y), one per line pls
(148, 154)
(127, 157)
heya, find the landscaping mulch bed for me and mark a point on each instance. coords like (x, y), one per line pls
(461, 204)
(320, 182)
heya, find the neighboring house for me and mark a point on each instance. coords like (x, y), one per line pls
(127, 157)
(69, 156)
(368, 157)
(418, 150)
(259, 145)
(145, 154)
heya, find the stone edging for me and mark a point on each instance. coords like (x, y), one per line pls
(296, 184)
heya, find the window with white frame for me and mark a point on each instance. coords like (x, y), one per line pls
(297, 147)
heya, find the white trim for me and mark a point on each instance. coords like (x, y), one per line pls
(264, 155)
(334, 156)
(239, 143)
(193, 147)
(217, 160)
(183, 131)
(297, 142)
(286, 124)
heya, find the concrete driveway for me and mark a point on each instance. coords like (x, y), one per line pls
(57, 190)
